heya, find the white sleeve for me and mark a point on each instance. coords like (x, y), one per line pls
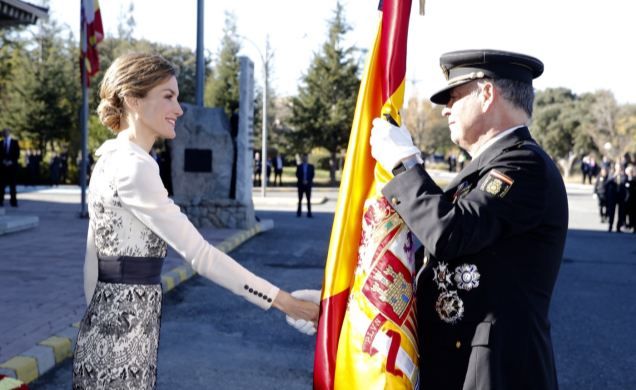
(143, 194)
(90, 265)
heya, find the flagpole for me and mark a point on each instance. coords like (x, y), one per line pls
(84, 131)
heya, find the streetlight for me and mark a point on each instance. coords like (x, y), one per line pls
(608, 148)
(265, 61)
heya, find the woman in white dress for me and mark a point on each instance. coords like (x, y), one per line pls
(132, 221)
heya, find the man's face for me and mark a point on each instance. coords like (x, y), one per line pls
(464, 114)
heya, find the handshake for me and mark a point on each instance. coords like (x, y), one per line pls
(307, 327)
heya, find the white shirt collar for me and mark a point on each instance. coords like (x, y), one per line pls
(495, 139)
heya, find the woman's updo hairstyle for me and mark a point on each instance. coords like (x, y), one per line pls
(131, 75)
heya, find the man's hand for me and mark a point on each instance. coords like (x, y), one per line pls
(391, 144)
(303, 326)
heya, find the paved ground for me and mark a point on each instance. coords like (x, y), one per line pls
(41, 287)
(212, 340)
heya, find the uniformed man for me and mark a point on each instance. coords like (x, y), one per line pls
(493, 239)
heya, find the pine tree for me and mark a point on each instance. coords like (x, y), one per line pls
(323, 110)
(222, 88)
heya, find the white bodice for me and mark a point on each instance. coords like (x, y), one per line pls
(132, 215)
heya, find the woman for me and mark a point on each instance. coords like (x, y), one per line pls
(132, 221)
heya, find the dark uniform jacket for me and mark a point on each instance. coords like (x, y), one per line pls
(493, 242)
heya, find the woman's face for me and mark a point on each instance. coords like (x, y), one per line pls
(159, 109)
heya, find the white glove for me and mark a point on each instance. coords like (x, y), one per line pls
(391, 144)
(304, 326)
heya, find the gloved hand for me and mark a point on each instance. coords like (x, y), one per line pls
(391, 144)
(303, 326)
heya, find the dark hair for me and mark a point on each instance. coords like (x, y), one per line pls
(520, 94)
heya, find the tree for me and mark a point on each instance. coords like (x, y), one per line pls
(11, 52)
(222, 87)
(427, 126)
(126, 23)
(323, 111)
(608, 123)
(44, 95)
(556, 126)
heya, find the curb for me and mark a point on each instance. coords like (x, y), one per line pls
(26, 367)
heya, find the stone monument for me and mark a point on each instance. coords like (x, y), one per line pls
(211, 168)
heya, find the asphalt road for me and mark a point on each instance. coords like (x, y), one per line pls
(212, 340)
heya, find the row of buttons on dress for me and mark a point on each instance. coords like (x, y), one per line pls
(257, 293)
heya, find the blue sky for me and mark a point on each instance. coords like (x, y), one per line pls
(586, 45)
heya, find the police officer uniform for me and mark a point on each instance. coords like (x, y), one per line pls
(493, 243)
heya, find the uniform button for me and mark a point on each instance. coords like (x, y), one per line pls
(265, 297)
(394, 200)
(260, 294)
(269, 300)
(458, 344)
(250, 290)
(246, 287)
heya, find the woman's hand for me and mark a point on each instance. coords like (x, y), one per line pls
(301, 308)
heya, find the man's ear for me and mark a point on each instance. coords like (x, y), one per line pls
(488, 93)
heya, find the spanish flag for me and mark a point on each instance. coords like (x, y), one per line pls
(92, 33)
(367, 335)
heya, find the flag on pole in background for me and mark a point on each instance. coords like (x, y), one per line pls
(92, 32)
(367, 335)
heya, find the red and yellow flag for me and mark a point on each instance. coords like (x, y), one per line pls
(367, 335)
(92, 33)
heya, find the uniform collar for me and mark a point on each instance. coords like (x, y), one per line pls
(495, 139)
(511, 137)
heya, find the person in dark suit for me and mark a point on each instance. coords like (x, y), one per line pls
(493, 239)
(305, 176)
(9, 155)
(599, 191)
(616, 197)
(278, 169)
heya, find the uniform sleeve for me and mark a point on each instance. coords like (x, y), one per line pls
(143, 194)
(90, 265)
(490, 211)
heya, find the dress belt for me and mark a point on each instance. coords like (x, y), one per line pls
(129, 269)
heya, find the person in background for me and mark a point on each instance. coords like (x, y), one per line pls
(269, 170)
(585, 168)
(615, 196)
(606, 163)
(64, 166)
(54, 169)
(593, 169)
(630, 202)
(305, 180)
(132, 221)
(278, 169)
(9, 156)
(257, 169)
(600, 193)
